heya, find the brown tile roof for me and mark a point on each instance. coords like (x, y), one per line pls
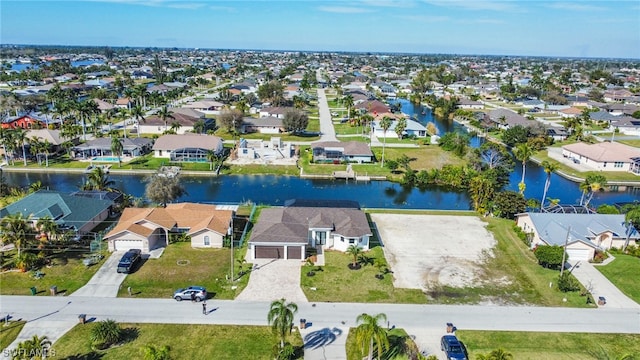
(291, 224)
(195, 217)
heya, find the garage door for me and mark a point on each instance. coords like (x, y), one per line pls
(578, 254)
(269, 252)
(294, 252)
(124, 245)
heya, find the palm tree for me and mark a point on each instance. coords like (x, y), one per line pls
(348, 102)
(30, 349)
(211, 157)
(138, 114)
(523, 153)
(47, 227)
(199, 126)
(106, 333)
(19, 136)
(549, 168)
(175, 126)
(591, 184)
(98, 179)
(354, 251)
(369, 332)
(401, 124)
(164, 113)
(117, 148)
(35, 148)
(632, 221)
(15, 229)
(151, 352)
(280, 317)
(385, 124)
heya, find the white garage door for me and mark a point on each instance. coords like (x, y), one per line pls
(578, 254)
(124, 245)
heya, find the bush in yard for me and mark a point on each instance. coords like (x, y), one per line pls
(567, 283)
(106, 333)
(521, 234)
(549, 256)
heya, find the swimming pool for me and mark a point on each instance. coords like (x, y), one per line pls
(105, 159)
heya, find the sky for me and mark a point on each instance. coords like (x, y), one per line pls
(567, 28)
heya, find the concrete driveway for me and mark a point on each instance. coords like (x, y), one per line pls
(589, 276)
(272, 280)
(106, 281)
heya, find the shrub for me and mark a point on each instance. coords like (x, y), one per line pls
(568, 283)
(549, 256)
(599, 257)
(521, 234)
(106, 333)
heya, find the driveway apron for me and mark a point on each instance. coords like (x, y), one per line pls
(272, 280)
(588, 275)
(106, 281)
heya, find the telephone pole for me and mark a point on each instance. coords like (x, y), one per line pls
(564, 251)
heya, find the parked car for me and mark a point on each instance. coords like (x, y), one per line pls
(452, 348)
(197, 293)
(129, 261)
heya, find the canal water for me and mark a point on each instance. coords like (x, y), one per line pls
(275, 190)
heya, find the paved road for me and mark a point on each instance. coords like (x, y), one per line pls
(328, 132)
(50, 314)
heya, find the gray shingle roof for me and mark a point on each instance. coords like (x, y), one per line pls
(291, 225)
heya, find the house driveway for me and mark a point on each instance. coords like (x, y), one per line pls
(272, 280)
(589, 276)
(106, 281)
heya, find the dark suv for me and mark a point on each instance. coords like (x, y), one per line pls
(129, 261)
(452, 348)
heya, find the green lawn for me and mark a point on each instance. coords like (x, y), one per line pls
(185, 341)
(623, 273)
(610, 175)
(181, 265)
(67, 272)
(259, 169)
(10, 332)
(551, 346)
(337, 283)
(635, 143)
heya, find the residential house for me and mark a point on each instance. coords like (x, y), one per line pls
(288, 232)
(124, 103)
(572, 112)
(605, 156)
(505, 119)
(617, 95)
(263, 125)
(77, 213)
(52, 137)
(205, 106)
(583, 234)
(274, 111)
(626, 125)
(149, 228)
(373, 107)
(342, 151)
(413, 127)
(185, 118)
(103, 106)
(464, 103)
(29, 121)
(621, 109)
(187, 147)
(131, 147)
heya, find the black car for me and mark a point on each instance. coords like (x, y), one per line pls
(129, 261)
(452, 348)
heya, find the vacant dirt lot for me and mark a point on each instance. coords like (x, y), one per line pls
(425, 250)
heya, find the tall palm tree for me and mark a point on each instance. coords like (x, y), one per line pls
(35, 148)
(199, 126)
(348, 102)
(401, 124)
(47, 227)
(86, 110)
(632, 221)
(591, 184)
(117, 148)
(175, 126)
(369, 332)
(138, 114)
(385, 124)
(19, 136)
(98, 179)
(164, 113)
(549, 168)
(280, 317)
(523, 153)
(15, 229)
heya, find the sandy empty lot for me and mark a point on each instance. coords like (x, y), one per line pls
(424, 250)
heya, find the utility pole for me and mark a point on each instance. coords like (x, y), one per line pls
(564, 250)
(232, 257)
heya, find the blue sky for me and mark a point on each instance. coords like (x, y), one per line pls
(548, 28)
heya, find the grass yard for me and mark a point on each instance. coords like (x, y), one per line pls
(635, 143)
(10, 332)
(337, 283)
(67, 272)
(623, 272)
(551, 346)
(185, 341)
(260, 169)
(180, 266)
(611, 175)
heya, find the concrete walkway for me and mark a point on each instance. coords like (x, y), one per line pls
(106, 281)
(272, 280)
(589, 276)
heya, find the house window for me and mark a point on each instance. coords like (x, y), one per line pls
(605, 164)
(618, 164)
(352, 241)
(207, 241)
(341, 238)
